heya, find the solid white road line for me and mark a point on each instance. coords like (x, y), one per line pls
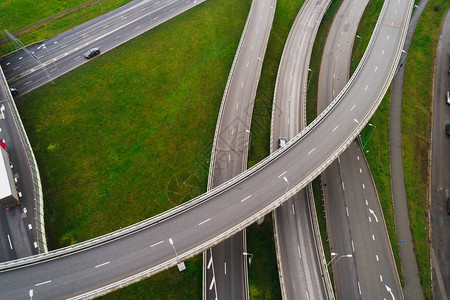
(9, 240)
(156, 244)
(210, 262)
(103, 264)
(201, 223)
(246, 198)
(41, 283)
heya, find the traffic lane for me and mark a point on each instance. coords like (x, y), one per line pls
(22, 216)
(344, 268)
(232, 143)
(338, 50)
(228, 260)
(371, 245)
(84, 33)
(121, 34)
(21, 239)
(440, 169)
(225, 274)
(6, 248)
(298, 249)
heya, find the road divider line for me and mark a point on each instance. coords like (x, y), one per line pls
(9, 240)
(156, 244)
(42, 283)
(311, 151)
(103, 264)
(279, 176)
(201, 223)
(246, 198)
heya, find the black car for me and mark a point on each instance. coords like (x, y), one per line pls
(91, 53)
(447, 128)
(13, 91)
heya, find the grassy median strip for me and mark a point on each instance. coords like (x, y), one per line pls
(39, 20)
(129, 134)
(416, 107)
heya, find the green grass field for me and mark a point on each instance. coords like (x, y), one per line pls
(416, 108)
(18, 14)
(129, 134)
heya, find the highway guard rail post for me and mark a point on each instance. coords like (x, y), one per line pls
(37, 187)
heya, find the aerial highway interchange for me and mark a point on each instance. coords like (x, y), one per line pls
(232, 205)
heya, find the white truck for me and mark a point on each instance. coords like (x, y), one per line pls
(8, 191)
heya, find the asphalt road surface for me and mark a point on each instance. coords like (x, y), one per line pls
(223, 211)
(440, 170)
(65, 51)
(363, 264)
(17, 224)
(297, 257)
(225, 264)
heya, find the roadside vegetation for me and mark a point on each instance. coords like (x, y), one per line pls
(416, 121)
(129, 134)
(34, 21)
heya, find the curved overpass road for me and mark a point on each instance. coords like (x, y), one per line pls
(224, 264)
(65, 51)
(225, 210)
(298, 259)
(354, 217)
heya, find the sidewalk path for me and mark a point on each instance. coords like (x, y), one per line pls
(412, 288)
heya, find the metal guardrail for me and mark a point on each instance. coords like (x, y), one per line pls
(37, 187)
(227, 185)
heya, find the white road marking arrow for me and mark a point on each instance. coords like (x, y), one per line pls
(390, 291)
(373, 213)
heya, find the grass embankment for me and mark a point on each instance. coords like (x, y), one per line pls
(378, 155)
(129, 134)
(16, 15)
(263, 273)
(416, 108)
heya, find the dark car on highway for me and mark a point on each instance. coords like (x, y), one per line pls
(13, 91)
(447, 128)
(91, 53)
